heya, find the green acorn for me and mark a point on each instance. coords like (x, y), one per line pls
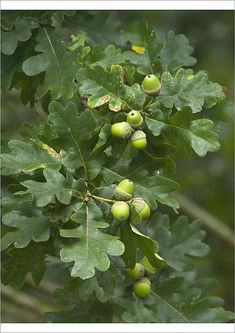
(124, 190)
(134, 118)
(142, 208)
(138, 140)
(120, 210)
(151, 84)
(142, 288)
(121, 130)
(135, 273)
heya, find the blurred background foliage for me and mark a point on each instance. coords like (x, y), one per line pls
(208, 181)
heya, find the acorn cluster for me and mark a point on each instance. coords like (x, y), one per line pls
(141, 273)
(124, 194)
(131, 127)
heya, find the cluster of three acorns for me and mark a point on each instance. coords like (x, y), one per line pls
(120, 209)
(124, 129)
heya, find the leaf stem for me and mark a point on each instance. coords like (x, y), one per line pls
(181, 315)
(148, 104)
(102, 199)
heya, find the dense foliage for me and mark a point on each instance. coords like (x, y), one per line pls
(83, 76)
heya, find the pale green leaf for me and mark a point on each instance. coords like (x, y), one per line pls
(56, 185)
(196, 92)
(93, 247)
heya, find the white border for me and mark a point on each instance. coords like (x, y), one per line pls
(116, 328)
(118, 5)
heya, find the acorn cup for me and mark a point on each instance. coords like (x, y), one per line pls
(151, 85)
(142, 208)
(124, 190)
(138, 140)
(121, 130)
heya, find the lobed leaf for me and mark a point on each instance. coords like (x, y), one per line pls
(93, 247)
(133, 239)
(103, 88)
(18, 263)
(196, 134)
(20, 33)
(150, 45)
(56, 185)
(176, 53)
(28, 157)
(183, 89)
(36, 228)
(181, 243)
(56, 61)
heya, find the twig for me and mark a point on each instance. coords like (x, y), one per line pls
(213, 223)
(102, 199)
(23, 299)
(14, 312)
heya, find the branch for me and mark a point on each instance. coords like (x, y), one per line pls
(25, 300)
(214, 224)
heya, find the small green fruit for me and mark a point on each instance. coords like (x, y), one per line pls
(138, 140)
(120, 210)
(124, 190)
(151, 84)
(135, 273)
(142, 288)
(135, 119)
(142, 208)
(147, 266)
(121, 130)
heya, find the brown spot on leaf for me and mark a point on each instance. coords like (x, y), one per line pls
(105, 99)
(54, 153)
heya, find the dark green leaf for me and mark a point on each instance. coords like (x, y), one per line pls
(35, 228)
(21, 33)
(107, 88)
(106, 57)
(74, 130)
(151, 48)
(178, 245)
(133, 239)
(11, 64)
(56, 61)
(176, 53)
(28, 157)
(199, 135)
(19, 262)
